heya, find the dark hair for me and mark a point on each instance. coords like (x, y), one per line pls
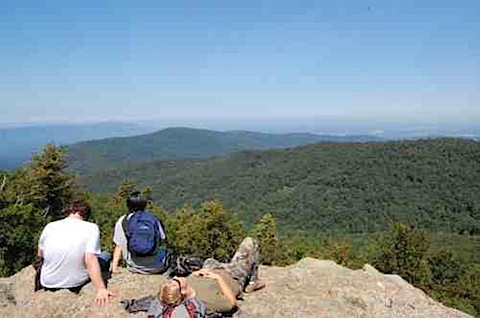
(136, 202)
(78, 206)
(179, 284)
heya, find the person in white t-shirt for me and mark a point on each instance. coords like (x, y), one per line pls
(71, 253)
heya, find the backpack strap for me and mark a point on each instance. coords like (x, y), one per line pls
(191, 307)
(167, 311)
(125, 225)
(161, 228)
(191, 304)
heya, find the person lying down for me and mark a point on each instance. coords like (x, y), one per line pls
(210, 292)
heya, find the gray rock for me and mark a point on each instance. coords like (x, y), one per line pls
(311, 288)
(371, 270)
(6, 293)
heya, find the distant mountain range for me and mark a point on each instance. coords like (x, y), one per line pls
(19, 143)
(112, 144)
(182, 143)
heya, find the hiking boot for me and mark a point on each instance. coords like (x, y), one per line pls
(253, 286)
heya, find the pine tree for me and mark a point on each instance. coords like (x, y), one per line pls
(46, 183)
(19, 233)
(403, 252)
(266, 233)
(212, 232)
(125, 188)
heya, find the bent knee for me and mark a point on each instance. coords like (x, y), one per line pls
(250, 242)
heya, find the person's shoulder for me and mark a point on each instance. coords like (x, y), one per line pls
(50, 224)
(54, 224)
(47, 228)
(120, 219)
(58, 226)
(90, 226)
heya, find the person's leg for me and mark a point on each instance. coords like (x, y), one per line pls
(211, 263)
(77, 289)
(247, 256)
(104, 259)
(244, 265)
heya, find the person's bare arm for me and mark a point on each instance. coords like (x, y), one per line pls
(117, 257)
(95, 274)
(226, 290)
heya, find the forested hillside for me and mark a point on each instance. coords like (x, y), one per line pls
(346, 187)
(176, 143)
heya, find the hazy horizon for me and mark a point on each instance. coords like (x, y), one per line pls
(332, 128)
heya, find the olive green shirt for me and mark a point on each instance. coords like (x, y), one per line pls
(209, 292)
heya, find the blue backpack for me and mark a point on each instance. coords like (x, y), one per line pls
(143, 233)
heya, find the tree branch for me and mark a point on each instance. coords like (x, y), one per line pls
(4, 182)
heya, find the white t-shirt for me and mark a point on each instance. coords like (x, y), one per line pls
(64, 244)
(139, 264)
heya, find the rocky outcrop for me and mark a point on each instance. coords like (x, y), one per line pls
(310, 288)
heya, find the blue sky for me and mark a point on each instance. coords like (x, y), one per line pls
(240, 64)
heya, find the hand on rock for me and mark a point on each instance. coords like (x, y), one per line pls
(103, 297)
